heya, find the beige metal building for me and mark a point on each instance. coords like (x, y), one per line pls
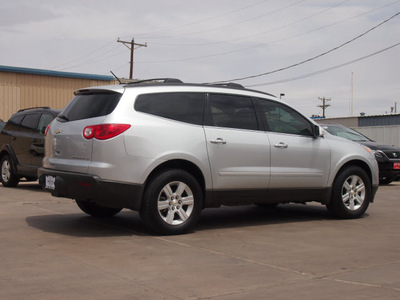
(22, 88)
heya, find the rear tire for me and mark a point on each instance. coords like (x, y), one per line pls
(8, 176)
(351, 193)
(172, 202)
(96, 210)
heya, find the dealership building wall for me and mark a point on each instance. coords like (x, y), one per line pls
(23, 88)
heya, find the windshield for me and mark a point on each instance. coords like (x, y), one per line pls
(346, 133)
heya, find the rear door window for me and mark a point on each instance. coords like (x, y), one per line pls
(180, 106)
(90, 105)
(231, 111)
(29, 123)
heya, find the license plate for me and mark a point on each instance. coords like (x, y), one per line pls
(396, 166)
(50, 182)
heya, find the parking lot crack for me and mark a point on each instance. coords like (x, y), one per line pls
(238, 258)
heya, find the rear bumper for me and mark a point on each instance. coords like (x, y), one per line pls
(92, 188)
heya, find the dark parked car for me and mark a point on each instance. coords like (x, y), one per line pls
(22, 144)
(388, 157)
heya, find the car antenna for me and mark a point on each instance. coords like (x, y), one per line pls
(116, 77)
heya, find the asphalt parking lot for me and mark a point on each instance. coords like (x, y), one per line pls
(51, 250)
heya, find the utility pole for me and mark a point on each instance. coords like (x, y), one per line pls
(324, 105)
(352, 94)
(131, 46)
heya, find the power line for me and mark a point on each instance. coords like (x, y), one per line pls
(94, 60)
(314, 57)
(325, 70)
(264, 44)
(230, 25)
(84, 56)
(202, 20)
(257, 34)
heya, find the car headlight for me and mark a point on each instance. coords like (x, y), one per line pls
(378, 153)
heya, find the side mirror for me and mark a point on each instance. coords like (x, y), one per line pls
(317, 131)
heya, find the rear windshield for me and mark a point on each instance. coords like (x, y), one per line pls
(92, 105)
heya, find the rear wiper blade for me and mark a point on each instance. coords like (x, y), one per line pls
(63, 117)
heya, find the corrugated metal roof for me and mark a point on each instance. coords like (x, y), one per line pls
(55, 73)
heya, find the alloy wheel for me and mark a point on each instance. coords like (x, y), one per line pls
(175, 203)
(5, 171)
(353, 192)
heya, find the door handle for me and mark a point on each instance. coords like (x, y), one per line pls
(218, 141)
(281, 145)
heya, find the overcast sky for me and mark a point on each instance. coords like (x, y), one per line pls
(218, 40)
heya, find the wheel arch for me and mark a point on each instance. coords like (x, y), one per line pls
(184, 165)
(7, 150)
(358, 163)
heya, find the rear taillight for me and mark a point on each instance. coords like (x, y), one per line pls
(104, 131)
(47, 130)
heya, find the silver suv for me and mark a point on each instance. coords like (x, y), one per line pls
(169, 149)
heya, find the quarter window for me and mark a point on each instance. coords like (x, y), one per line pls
(283, 119)
(183, 107)
(45, 120)
(13, 124)
(232, 112)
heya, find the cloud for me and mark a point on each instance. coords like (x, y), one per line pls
(204, 41)
(13, 16)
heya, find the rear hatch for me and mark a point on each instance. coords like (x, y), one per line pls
(66, 147)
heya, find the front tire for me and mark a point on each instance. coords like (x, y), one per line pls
(385, 180)
(96, 210)
(172, 202)
(351, 193)
(8, 176)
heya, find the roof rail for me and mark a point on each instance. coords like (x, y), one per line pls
(153, 80)
(37, 107)
(229, 84)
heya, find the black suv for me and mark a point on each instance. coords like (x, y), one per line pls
(22, 144)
